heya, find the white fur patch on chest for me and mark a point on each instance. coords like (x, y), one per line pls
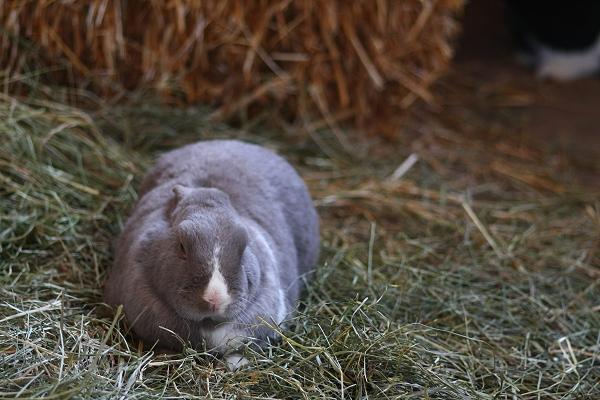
(235, 361)
(224, 337)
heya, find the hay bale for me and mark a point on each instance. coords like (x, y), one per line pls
(361, 62)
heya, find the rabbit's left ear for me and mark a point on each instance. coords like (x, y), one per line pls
(181, 191)
(240, 239)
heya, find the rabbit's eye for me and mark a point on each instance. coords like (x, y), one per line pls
(182, 250)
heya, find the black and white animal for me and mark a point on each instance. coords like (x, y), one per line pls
(215, 248)
(560, 39)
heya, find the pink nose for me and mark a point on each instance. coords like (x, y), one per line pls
(213, 300)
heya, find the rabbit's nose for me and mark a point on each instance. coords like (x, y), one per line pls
(216, 294)
(213, 299)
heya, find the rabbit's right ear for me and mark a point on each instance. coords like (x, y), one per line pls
(181, 191)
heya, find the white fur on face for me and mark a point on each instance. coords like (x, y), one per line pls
(216, 291)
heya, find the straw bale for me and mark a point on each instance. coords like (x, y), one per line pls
(362, 61)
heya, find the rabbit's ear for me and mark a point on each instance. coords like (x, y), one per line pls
(240, 239)
(181, 191)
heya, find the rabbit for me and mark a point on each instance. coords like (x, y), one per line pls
(561, 40)
(215, 250)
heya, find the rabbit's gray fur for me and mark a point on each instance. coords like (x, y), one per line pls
(236, 208)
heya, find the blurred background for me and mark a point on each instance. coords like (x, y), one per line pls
(318, 63)
(561, 109)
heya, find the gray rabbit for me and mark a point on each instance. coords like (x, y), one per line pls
(215, 248)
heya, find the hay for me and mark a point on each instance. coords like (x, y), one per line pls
(415, 296)
(360, 62)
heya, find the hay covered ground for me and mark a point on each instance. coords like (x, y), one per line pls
(472, 274)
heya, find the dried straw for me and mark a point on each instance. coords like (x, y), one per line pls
(362, 62)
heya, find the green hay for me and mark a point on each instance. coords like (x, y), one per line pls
(410, 299)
